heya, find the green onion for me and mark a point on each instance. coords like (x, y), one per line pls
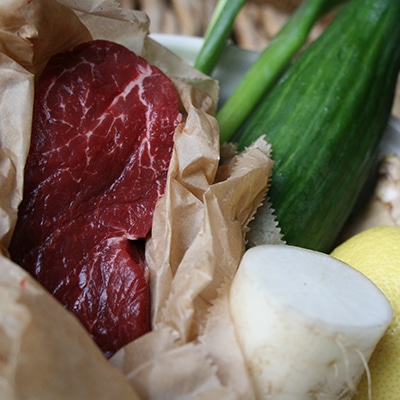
(269, 65)
(217, 34)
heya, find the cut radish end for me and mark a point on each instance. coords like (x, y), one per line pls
(307, 323)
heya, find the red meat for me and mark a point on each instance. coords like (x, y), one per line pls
(102, 140)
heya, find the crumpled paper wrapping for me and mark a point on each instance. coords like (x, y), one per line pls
(190, 273)
(45, 353)
(197, 241)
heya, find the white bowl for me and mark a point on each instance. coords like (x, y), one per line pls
(233, 65)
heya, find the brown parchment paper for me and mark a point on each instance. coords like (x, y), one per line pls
(196, 244)
(191, 273)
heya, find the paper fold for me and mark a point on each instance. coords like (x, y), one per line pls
(197, 240)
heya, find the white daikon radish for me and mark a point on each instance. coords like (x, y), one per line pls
(306, 322)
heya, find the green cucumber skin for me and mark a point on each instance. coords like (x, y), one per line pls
(325, 119)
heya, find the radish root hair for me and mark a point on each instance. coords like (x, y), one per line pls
(350, 383)
(367, 372)
(339, 342)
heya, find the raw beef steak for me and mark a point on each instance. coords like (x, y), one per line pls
(102, 140)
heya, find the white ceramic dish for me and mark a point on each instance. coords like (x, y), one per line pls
(235, 62)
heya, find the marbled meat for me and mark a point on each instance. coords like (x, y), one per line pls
(102, 139)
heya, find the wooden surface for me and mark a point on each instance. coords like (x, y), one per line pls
(256, 24)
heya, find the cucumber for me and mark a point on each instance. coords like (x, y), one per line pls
(325, 119)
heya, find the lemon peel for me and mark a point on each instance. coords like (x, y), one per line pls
(375, 252)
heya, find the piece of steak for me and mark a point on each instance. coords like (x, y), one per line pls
(102, 140)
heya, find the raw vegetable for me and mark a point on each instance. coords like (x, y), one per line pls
(375, 252)
(325, 119)
(217, 34)
(270, 65)
(306, 322)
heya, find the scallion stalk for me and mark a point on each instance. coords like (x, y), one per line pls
(269, 65)
(217, 34)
